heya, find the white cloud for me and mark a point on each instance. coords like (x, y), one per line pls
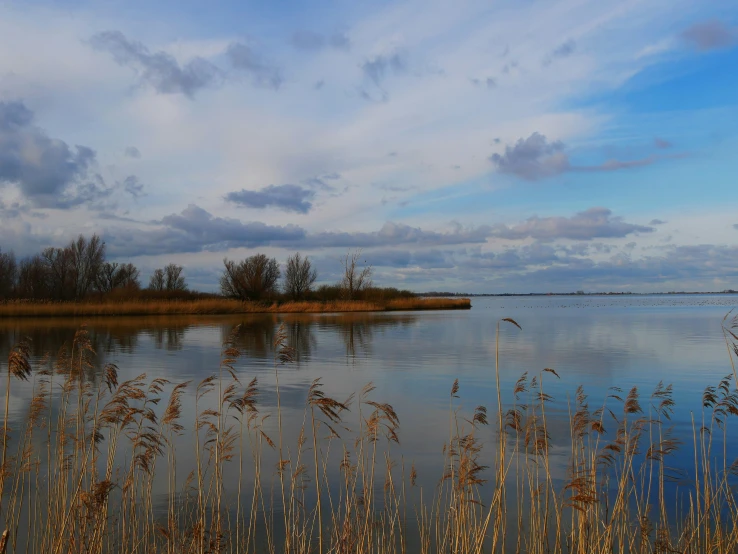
(236, 136)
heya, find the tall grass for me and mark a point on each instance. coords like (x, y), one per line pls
(79, 475)
(213, 306)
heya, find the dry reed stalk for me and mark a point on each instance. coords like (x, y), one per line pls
(617, 496)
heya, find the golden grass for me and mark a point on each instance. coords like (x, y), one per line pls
(216, 306)
(80, 476)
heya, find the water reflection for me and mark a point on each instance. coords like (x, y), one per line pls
(255, 335)
(413, 359)
(357, 331)
(107, 335)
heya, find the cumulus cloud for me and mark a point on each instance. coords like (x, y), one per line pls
(321, 182)
(377, 68)
(195, 230)
(166, 75)
(536, 158)
(693, 266)
(584, 226)
(47, 171)
(310, 40)
(425, 259)
(392, 234)
(518, 258)
(133, 186)
(563, 50)
(544, 267)
(212, 230)
(532, 158)
(94, 193)
(587, 225)
(243, 58)
(43, 168)
(657, 222)
(160, 70)
(13, 210)
(292, 198)
(23, 238)
(132, 152)
(710, 35)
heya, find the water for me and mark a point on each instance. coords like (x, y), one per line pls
(413, 359)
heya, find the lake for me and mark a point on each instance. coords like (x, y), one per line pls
(413, 359)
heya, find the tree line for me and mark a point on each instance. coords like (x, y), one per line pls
(77, 271)
(258, 278)
(80, 270)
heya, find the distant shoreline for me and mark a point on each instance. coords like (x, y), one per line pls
(578, 294)
(221, 306)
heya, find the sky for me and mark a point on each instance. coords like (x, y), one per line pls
(473, 146)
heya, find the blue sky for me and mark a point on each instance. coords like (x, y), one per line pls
(471, 146)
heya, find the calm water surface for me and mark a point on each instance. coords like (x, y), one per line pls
(414, 358)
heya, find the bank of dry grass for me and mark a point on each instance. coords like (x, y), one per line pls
(213, 306)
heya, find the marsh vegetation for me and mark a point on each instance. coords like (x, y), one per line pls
(213, 306)
(78, 281)
(79, 474)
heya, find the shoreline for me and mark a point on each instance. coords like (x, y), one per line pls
(576, 294)
(221, 306)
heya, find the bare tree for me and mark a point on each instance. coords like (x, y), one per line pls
(114, 276)
(73, 271)
(33, 278)
(8, 274)
(252, 279)
(175, 281)
(354, 279)
(106, 277)
(169, 279)
(157, 281)
(129, 277)
(58, 273)
(299, 276)
(86, 257)
(69, 273)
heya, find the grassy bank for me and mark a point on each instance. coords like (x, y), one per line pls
(213, 306)
(79, 477)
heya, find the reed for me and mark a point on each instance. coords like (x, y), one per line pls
(79, 475)
(214, 306)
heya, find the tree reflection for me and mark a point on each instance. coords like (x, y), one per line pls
(256, 334)
(168, 338)
(112, 336)
(107, 336)
(357, 330)
(301, 337)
